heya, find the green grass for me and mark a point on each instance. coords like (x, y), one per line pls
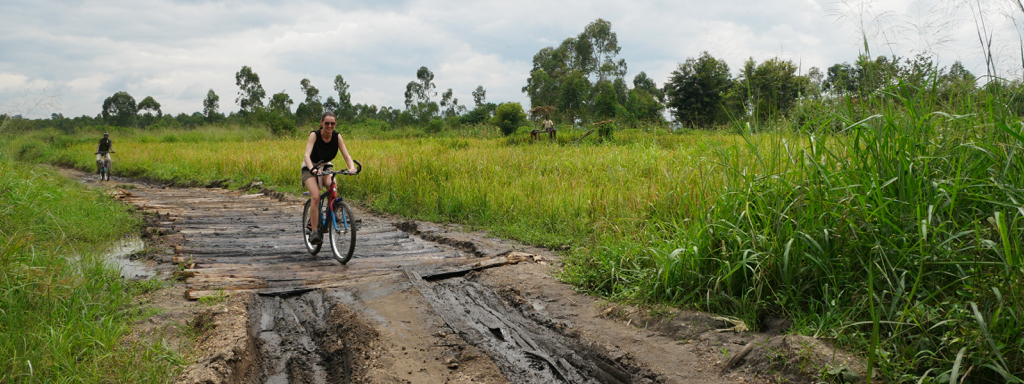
(899, 235)
(63, 312)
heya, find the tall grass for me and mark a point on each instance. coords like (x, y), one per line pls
(63, 312)
(900, 235)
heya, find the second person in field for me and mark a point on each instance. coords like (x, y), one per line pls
(322, 145)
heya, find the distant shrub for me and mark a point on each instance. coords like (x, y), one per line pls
(508, 117)
(434, 126)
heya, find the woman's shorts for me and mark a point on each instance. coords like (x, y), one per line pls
(306, 174)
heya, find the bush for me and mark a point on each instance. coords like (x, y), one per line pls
(434, 126)
(508, 117)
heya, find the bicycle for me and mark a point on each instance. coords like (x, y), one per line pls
(105, 166)
(335, 218)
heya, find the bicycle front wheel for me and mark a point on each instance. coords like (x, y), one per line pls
(342, 232)
(306, 232)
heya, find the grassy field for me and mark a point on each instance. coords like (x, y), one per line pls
(899, 235)
(63, 311)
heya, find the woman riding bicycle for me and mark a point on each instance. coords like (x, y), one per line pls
(322, 145)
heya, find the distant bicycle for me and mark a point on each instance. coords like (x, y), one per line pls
(104, 168)
(337, 224)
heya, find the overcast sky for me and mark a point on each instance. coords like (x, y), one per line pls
(74, 54)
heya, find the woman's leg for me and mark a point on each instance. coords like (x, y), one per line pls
(314, 202)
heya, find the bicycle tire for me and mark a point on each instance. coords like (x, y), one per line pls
(342, 232)
(306, 232)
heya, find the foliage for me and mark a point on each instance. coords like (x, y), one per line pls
(563, 76)
(508, 117)
(251, 93)
(434, 126)
(605, 101)
(479, 96)
(281, 104)
(149, 106)
(696, 91)
(344, 110)
(768, 89)
(211, 105)
(312, 108)
(120, 109)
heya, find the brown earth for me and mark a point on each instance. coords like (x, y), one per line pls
(418, 303)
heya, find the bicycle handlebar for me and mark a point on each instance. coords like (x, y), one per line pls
(359, 168)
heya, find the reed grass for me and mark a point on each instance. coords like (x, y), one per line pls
(63, 311)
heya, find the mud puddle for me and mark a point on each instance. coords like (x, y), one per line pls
(123, 255)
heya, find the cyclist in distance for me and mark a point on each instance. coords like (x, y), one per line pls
(322, 145)
(103, 151)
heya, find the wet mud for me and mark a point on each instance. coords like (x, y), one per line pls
(311, 338)
(527, 346)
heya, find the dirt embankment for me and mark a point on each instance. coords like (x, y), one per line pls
(418, 303)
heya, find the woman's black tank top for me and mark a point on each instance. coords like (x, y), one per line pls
(324, 151)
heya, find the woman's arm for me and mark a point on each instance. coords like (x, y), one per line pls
(344, 153)
(309, 151)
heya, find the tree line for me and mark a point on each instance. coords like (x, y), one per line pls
(582, 81)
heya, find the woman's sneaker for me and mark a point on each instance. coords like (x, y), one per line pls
(316, 238)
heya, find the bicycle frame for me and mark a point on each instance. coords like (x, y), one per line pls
(331, 194)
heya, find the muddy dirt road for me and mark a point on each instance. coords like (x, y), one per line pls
(418, 303)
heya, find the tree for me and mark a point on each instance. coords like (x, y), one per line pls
(313, 108)
(643, 106)
(149, 105)
(418, 94)
(508, 117)
(251, 93)
(210, 105)
(605, 101)
(281, 104)
(696, 90)
(422, 90)
(574, 97)
(479, 96)
(451, 105)
(769, 88)
(590, 56)
(344, 109)
(332, 105)
(642, 82)
(120, 109)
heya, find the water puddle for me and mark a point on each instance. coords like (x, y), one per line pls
(119, 255)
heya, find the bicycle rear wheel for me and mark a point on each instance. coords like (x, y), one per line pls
(306, 232)
(342, 232)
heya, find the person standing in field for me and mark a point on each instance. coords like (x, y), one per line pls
(103, 151)
(322, 145)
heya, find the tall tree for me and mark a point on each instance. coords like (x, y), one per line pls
(251, 93)
(479, 96)
(418, 94)
(312, 108)
(450, 105)
(149, 106)
(120, 109)
(591, 57)
(696, 90)
(211, 105)
(344, 109)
